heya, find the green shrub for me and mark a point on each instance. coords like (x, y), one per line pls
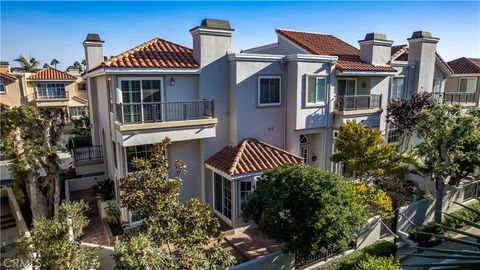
(105, 190)
(464, 213)
(378, 263)
(351, 261)
(112, 214)
(423, 239)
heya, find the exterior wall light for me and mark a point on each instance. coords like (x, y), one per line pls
(172, 81)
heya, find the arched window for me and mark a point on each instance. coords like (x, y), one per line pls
(303, 139)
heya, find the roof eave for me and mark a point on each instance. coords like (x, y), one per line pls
(364, 72)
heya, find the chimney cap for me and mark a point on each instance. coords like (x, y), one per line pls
(91, 37)
(375, 36)
(73, 67)
(4, 63)
(216, 24)
(422, 34)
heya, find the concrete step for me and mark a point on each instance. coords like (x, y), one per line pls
(7, 221)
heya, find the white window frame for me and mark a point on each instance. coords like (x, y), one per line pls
(254, 181)
(47, 91)
(467, 78)
(120, 98)
(259, 78)
(220, 214)
(347, 79)
(316, 103)
(76, 108)
(404, 87)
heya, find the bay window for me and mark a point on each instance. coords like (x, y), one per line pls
(223, 196)
(246, 187)
(269, 90)
(51, 90)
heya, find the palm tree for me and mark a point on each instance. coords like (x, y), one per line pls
(54, 63)
(77, 64)
(27, 65)
(46, 65)
(453, 258)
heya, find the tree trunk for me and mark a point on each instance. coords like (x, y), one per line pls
(440, 189)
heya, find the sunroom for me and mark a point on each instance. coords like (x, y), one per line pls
(235, 171)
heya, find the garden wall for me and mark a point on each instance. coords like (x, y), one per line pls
(81, 184)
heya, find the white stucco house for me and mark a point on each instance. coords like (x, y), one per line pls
(267, 106)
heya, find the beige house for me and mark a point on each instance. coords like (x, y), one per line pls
(464, 86)
(11, 87)
(289, 96)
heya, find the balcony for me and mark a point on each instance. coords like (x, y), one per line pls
(87, 153)
(179, 120)
(51, 95)
(51, 98)
(352, 104)
(462, 98)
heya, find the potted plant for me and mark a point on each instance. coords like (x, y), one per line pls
(105, 192)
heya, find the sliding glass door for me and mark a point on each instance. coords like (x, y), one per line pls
(141, 100)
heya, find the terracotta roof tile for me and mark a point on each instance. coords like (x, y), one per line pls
(249, 156)
(400, 53)
(51, 74)
(156, 53)
(324, 44)
(8, 75)
(465, 65)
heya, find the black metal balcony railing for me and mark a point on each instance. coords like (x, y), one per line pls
(454, 97)
(133, 113)
(358, 102)
(88, 153)
(52, 95)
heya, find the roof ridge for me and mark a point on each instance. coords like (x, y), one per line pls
(141, 45)
(301, 31)
(176, 44)
(278, 149)
(238, 155)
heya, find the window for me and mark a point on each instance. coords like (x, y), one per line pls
(114, 147)
(82, 87)
(437, 85)
(393, 134)
(138, 151)
(2, 87)
(398, 88)
(223, 195)
(347, 87)
(245, 190)
(75, 111)
(51, 90)
(268, 90)
(468, 85)
(138, 97)
(316, 90)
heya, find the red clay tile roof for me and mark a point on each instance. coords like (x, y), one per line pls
(400, 53)
(251, 156)
(8, 75)
(156, 53)
(465, 65)
(324, 44)
(51, 74)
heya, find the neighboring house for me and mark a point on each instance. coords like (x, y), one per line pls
(47, 87)
(52, 88)
(463, 86)
(11, 90)
(290, 96)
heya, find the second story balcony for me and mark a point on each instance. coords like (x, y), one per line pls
(358, 103)
(462, 98)
(193, 117)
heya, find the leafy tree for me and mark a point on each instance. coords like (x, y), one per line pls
(308, 209)
(30, 137)
(403, 113)
(27, 65)
(377, 201)
(54, 246)
(450, 149)
(54, 63)
(187, 232)
(363, 151)
(81, 125)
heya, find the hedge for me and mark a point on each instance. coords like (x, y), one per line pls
(351, 261)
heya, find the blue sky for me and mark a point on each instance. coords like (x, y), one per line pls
(47, 30)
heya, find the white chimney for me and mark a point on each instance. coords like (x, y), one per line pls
(375, 49)
(93, 50)
(422, 51)
(211, 40)
(73, 70)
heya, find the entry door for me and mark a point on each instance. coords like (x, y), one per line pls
(305, 151)
(346, 87)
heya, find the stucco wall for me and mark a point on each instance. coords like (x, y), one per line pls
(13, 95)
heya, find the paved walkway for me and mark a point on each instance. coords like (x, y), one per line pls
(95, 232)
(444, 245)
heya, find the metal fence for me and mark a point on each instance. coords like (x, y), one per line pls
(164, 111)
(88, 153)
(308, 260)
(471, 190)
(454, 97)
(358, 102)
